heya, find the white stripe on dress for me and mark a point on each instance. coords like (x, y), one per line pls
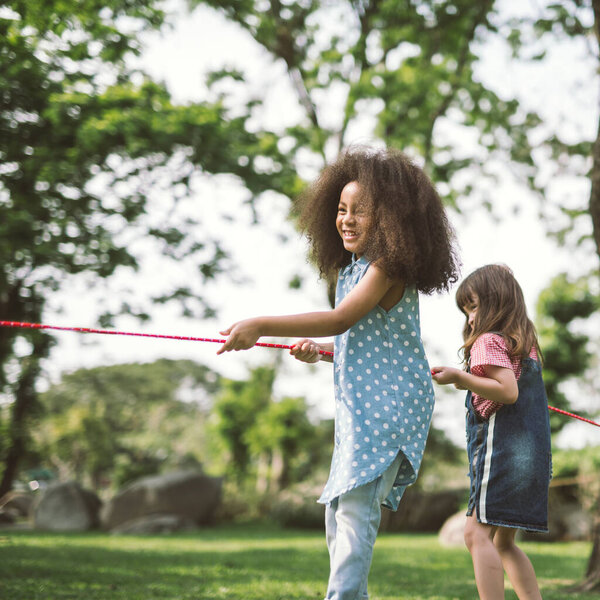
(489, 448)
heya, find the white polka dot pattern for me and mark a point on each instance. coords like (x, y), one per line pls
(383, 394)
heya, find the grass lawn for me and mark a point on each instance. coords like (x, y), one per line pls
(251, 563)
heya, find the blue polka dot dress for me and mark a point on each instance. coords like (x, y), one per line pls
(383, 394)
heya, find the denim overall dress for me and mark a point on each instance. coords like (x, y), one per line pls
(510, 457)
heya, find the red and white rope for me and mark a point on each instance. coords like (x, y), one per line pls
(19, 324)
(22, 325)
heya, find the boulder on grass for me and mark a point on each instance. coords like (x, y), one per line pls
(452, 531)
(188, 494)
(67, 507)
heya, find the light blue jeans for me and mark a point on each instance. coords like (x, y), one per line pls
(351, 524)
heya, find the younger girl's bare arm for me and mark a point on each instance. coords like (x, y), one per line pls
(499, 383)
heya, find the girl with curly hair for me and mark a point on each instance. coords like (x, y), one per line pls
(508, 429)
(375, 218)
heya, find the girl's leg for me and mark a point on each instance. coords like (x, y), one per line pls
(352, 521)
(489, 575)
(516, 564)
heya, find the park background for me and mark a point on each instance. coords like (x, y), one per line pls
(149, 163)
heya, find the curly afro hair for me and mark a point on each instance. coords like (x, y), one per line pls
(411, 238)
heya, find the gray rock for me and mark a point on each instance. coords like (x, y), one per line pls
(452, 531)
(188, 494)
(66, 507)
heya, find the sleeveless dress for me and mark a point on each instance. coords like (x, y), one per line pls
(510, 457)
(383, 394)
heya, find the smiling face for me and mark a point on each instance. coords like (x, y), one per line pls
(353, 222)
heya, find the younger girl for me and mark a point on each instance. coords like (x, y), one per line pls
(375, 217)
(508, 429)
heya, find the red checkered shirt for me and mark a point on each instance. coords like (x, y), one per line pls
(490, 349)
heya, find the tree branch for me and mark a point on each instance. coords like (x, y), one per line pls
(595, 173)
(365, 14)
(455, 84)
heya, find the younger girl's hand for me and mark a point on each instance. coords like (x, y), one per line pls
(306, 350)
(241, 336)
(446, 375)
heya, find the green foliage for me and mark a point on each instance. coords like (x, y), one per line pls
(584, 462)
(566, 353)
(397, 71)
(86, 141)
(569, 22)
(266, 441)
(579, 468)
(108, 425)
(284, 431)
(237, 410)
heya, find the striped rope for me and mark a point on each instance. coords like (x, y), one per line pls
(136, 334)
(19, 324)
(568, 414)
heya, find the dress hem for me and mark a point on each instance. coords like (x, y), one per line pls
(386, 466)
(511, 525)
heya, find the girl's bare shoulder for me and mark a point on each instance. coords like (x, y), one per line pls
(395, 290)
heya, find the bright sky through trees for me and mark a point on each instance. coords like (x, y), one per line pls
(268, 255)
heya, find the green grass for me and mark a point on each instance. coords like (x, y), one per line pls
(251, 563)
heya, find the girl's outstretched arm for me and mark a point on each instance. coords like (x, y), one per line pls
(360, 301)
(499, 383)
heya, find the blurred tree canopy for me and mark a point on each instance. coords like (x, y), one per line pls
(397, 71)
(85, 140)
(266, 440)
(566, 352)
(109, 425)
(405, 73)
(106, 426)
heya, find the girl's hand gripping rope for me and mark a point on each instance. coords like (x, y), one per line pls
(306, 351)
(241, 336)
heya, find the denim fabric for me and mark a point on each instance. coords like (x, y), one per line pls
(351, 522)
(510, 458)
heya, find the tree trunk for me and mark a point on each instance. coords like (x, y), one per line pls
(592, 581)
(277, 469)
(595, 191)
(262, 476)
(595, 174)
(25, 400)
